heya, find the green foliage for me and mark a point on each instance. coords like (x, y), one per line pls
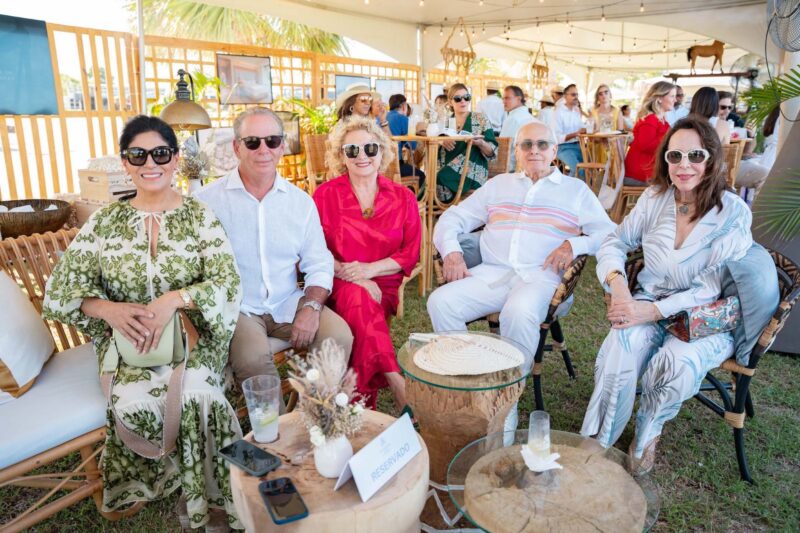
(193, 20)
(313, 120)
(779, 207)
(763, 100)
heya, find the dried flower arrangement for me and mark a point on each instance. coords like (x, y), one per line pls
(194, 166)
(326, 389)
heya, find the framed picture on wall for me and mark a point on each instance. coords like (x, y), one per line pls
(387, 88)
(291, 129)
(245, 79)
(343, 82)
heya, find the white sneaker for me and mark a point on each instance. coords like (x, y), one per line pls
(510, 425)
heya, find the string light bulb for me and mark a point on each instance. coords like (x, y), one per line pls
(603, 39)
(484, 28)
(473, 31)
(366, 2)
(461, 32)
(538, 28)
(570, 31)
(634, 42)
(480, 3)
(441, 31)
(421, 3)
(664, 47)
(641, 7)
(602, 13)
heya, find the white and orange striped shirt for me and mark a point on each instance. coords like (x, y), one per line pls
(526, 221)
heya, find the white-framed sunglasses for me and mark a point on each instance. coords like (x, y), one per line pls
(695, 156)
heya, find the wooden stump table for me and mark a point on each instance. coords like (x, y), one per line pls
(453, 411)
(394, 508)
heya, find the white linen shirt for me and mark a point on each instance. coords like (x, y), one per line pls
(492, 108)
(270, 238)
(515, 119)
(674, 115)
(524, 222)
(565, 121)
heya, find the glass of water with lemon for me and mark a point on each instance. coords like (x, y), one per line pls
(262, 394)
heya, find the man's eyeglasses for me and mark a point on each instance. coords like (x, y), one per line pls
(527, 145)
(695, 156)
(138, 156)
(724, 107)
(253, 143)
(457, 98)
(352, 150)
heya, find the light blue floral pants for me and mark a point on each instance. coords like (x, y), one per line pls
(670, 370)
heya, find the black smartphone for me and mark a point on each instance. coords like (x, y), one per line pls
(250, 458)
(283, 501)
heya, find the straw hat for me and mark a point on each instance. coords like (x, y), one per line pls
(462, 354)
(547, 99)
(352, 90)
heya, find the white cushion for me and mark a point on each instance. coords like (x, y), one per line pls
(25, 342)
(64, 403)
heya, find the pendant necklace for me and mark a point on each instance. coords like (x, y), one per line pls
(683, 209)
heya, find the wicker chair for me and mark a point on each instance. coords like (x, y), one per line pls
(499, 165)
(558, 308)
(316, 172)
(735, 410)
(733, 159)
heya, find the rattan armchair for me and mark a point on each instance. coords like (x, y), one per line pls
(735, 410)
(558, 307)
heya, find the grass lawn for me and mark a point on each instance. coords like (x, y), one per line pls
(696, 469)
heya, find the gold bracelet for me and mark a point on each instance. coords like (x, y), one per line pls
(614, 274)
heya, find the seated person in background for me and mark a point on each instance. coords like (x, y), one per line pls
(679, 110)
(536, 222)
(274, 230)
(688, 225)
(605, 114)
(373, 228)
(567, 122)
(727, 109)
(705, 104)
(517, 115)
(650, 128)
(398, 125)
(627, 120)
(753, 171)
(491, 106)
(546, 108)
(452, 154)
(132, 266)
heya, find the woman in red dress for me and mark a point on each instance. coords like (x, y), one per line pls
(372, 227)
(650, 128)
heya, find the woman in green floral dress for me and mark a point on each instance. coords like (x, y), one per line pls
(133, 264)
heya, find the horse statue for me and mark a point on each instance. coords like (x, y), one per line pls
(706, 50)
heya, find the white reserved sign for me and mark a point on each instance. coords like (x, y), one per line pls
(383, 457)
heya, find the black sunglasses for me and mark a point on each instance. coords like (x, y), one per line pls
(352, 150)
(696, 156)
(138, 156)
(458, 98)
(726, 106)
(253, 143)
(527, 145)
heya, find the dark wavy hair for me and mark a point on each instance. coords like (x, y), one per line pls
(713, 185)
(705, 102)
(143, 124)
(518, 92)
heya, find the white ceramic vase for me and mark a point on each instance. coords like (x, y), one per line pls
(194, 185)
(331, 457)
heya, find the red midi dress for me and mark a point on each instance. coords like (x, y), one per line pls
(393, 229)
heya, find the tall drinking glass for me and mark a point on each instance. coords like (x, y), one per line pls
(262, 394)
(539, 434)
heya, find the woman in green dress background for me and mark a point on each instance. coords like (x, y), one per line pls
(131, 267)
(452, 154)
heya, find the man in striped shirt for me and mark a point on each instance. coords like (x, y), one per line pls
(535, 223)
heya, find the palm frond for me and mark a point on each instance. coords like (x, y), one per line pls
(778, 207)
(763, 100)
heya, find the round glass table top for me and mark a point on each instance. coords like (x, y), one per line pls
(540, 500)
(492, 380)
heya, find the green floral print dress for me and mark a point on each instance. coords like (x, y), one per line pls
(110, 259)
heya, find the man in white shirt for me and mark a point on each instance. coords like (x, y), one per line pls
(547, 107)
(536, 222)
(492, 107)
(567, 122)
(517, 115)
(679, 111)
(275, 232)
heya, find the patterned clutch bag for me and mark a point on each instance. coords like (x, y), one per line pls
(704, 320)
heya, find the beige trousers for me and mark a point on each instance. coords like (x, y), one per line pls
(258, 337)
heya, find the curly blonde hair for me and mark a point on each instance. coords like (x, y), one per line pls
(334, 158)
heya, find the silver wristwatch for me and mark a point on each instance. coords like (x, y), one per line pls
(186, 297)
(313, 304)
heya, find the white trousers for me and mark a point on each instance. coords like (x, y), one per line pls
(671, 372)
(489, 289)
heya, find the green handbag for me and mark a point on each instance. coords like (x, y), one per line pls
(178, 339)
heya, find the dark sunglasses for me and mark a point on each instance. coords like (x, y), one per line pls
(527, 145)
(253, 142)
(695, 156)
(458, 98)
(138, 156)
(724, 107)
(352, 150)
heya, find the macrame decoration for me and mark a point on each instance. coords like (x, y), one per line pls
(540, 71)
(460, 60)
